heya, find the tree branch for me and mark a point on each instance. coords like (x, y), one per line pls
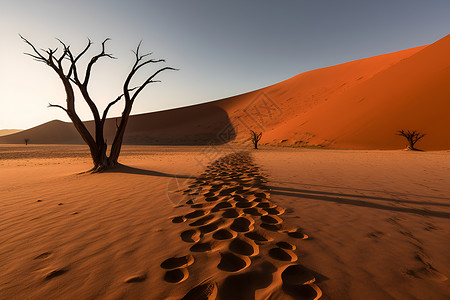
(39, 55)
(74, 60)
(56, 64)
(58, 106)
(94, 60)
(149, 80)
(105, 112)
(64, 54)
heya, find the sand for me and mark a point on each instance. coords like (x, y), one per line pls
(378, 221)
(277, 223)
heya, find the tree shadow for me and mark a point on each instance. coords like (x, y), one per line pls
(359, 196)
(356, 189)
(132, 170)
(343, 199)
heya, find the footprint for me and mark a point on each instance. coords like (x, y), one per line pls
(271, 227)
(297, 235)
(203, 221)
(244, 247)
(242, 224)
(286, 245)
(260, 195)
(177, 262)
(375, 234)
(179, 219)
(271, 220)
(282, 254)
(196, 214)
(43, 255)
(226, 191)
(259, 199)
(259, 238)
(297, 275)
(210, 227)
(239, 198)
(224, 234)
(255, 211)
(204, 291)
(201, 247)
(198, 205)
(231, 213)
(221, 205)
(211, 199)
(230, 262)
(176, 276)
(136, 278)
(56, 273)
(246, 284)
(190, 236)
(275, 211)
(428, 271)
(246, 204)
(307, 292)
(266, 204)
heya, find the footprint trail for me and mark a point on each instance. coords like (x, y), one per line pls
(232, 216)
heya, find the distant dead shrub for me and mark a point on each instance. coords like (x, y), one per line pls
(255, 137)
(412, 137)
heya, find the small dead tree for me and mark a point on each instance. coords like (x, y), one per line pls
(255, 137)
(69, 75)
(26, 140)
(412, 136)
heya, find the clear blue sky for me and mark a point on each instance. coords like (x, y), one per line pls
(223, 48)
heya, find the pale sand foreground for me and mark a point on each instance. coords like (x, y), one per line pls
(379, 221)
(378, 224)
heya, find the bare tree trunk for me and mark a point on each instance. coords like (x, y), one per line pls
(118, 139)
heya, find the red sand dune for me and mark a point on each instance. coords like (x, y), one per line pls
(357, 105)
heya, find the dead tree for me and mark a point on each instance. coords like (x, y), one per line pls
(69, 75)
(26, 140)
(412, 137)
(255, 137)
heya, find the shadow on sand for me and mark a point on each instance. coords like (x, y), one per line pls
(342, 198)
(362, 190)
(132, 170)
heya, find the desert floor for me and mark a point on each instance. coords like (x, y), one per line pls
(275, 223)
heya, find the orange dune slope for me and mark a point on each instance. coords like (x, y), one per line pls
(411, 94)
(357, 105)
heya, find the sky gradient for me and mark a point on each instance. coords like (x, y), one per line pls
(222, 48)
